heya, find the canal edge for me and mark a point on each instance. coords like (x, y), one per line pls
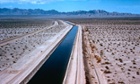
(75, 73)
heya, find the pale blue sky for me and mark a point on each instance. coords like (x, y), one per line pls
(128, 6)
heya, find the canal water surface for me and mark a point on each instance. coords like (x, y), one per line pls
(53, 70)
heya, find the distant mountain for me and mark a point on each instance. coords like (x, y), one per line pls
(16, 11)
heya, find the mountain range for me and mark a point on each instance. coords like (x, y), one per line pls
(17, 11)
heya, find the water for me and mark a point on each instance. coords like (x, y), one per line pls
(53, 70)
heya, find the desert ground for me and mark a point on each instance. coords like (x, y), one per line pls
(24, 43)
(106, 50)
(111, 49)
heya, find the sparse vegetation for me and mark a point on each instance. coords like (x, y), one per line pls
(21, 36)
(117, 42)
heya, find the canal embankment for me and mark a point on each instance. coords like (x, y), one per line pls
(75, 73)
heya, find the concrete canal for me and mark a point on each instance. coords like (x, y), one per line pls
(53, 70)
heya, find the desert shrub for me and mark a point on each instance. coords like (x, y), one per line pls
(107, 71)
(98, 58)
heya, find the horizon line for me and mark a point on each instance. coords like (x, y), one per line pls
(67, 11)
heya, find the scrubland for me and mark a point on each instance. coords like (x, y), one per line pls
(19, 37)
(111, 49)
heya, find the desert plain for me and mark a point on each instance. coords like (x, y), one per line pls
(108, 51)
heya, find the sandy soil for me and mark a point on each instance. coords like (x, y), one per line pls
(111, 52)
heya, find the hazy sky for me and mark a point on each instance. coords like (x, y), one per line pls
(129, 6)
